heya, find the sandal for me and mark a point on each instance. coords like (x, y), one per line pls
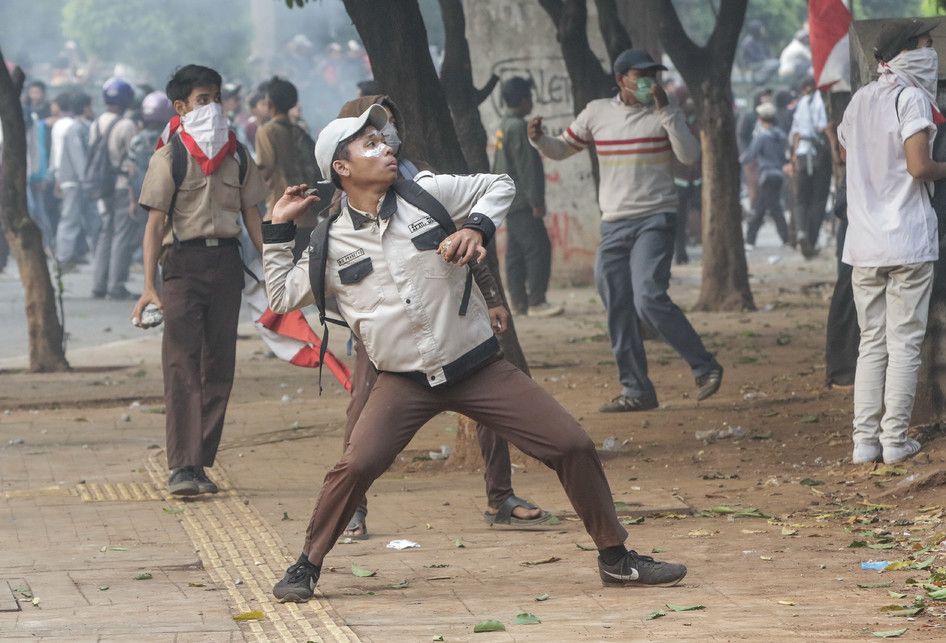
(357, 522)
(504, 515)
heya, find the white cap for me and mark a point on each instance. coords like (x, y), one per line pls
(340, 129)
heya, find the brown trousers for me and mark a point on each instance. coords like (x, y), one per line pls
(499, 396)
(498, 470)
(201, 293)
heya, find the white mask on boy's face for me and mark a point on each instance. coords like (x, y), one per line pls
(209, 128)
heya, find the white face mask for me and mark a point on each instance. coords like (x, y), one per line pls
(917, 68)
(209, 128)
(389, 131)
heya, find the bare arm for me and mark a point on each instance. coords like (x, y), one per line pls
(154, 232)
(919, 163)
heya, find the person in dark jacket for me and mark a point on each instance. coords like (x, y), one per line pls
(767, 151)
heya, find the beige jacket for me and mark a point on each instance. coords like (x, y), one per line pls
(400, 298)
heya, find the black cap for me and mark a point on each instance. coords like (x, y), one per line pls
(896, 35)
(635, 59)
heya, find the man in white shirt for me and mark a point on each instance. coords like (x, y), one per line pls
(811, 165)
(892, 240)
(395, 260)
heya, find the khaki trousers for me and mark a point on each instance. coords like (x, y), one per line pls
(498, 470)
(201, 294)
(499, 396)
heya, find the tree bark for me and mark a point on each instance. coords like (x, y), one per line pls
(46, 351)
(706, 71)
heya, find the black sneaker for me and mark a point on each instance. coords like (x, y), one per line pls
(122, 294)
(637, 570)
(205, 484)
(298, 585)
(183, 482)
(623, 404)
(708, 384)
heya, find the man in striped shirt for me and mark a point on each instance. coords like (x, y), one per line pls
(635, 135)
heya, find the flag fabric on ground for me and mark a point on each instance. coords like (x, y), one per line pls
(828, 24)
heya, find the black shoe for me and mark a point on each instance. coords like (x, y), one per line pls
(708, 384)
(638, 570)
(298, 585)
(98, 294)
(183, 482)
(123, 295)
(205, 484)
(623, 404)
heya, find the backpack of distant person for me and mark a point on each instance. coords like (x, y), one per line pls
(139, 153)
(937, 192)
(100, 175)
(304, 168)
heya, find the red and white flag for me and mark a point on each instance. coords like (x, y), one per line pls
(828, 24)
(290, 336)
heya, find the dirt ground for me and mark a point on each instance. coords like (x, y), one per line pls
(773, 521)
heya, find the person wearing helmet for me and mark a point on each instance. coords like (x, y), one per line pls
(121, 225)
(156, 111)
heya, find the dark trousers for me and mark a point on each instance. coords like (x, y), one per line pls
(498, 470)
(201, 294)
(528, 260)
(843, 331)
(811, 196)
(768, 202)
(119, 236)
(499, 396)
(688, 199)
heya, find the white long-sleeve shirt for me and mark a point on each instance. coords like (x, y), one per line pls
(635, 146)
(400, 297)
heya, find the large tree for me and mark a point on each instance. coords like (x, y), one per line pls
(23, 236)
(706, 70)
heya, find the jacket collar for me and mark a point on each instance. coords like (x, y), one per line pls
(388, 208)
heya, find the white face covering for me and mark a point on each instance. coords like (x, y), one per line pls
(389, 131)
(916, 68)
(209, 128)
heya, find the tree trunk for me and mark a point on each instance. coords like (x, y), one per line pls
(45, 332)
(706, 71)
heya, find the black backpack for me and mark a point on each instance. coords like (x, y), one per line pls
(100, 175)
(304, 170)
(318, 255)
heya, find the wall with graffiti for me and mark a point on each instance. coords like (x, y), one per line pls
(495, 30)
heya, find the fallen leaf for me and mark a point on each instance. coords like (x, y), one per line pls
(489, 626)
(196, 585)
(361, 572)
(585, 547)
(788, 531)
(857, 544)
(899, 610)
(656, 614)
(753, 531)
(786, 603)
(765, 557)
(937, 594)
(459, 545)
(809, 482)
(890, 634)
(888, 470)
(544, 561)
(437, 637)
(632, 521)
(924, 564)
(525, 618)
(255, 615)
(173, 510)
(808, 419)
(621, 507)
(403, 584)
(553, 520)
(893, 594)
(874, 585)
(685, 608)
(657, 550)
(143, 576)
(542, 597)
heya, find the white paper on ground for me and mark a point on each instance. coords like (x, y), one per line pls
(403, 544)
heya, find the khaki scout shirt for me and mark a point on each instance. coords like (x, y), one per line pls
(207, 207)
(400, 298)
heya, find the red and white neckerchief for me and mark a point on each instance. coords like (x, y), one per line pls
(208, 165)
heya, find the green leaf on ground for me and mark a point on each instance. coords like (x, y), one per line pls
(888, 470)
(544, 561)
(553, 520)
(924, 564)
(525, 618)
(811, 482)
(857, 544)
(632, 521)
(882, 545)
(875, 585)
(899, 610)
(656, 614)
(657, 550)
(685, 608)
(542, 597)
(437, 637)
(173, 510)
(489, 626)
(361, 572)
(143, 576)
(808, 419)
(254, 615)
(938, 594)
(890, 634)
(893, 594)
(737, 512)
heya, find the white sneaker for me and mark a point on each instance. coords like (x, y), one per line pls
(545, 310)
(865, 452)
(893, 455)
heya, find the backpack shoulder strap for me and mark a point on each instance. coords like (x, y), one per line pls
(318, 262)
(242, 159)
(178, 172)
(896, 103)
(420, 198)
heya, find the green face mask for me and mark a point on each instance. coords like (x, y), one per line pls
(643, 92)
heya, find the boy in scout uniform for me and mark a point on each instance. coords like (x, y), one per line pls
(198, 188)
(395, 260)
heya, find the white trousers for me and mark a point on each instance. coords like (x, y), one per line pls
(892, 309)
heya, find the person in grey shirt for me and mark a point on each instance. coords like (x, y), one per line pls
(79, 224)
(767, 150)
